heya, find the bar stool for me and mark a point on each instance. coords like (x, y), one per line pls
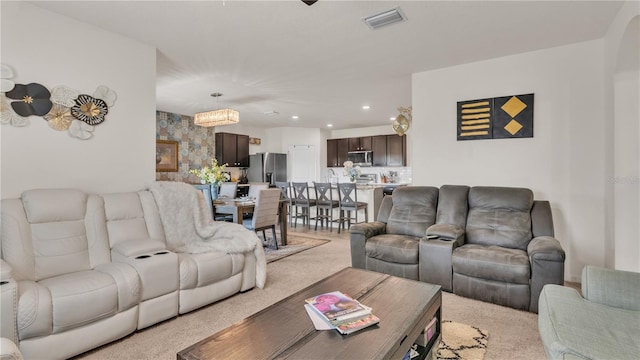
(301, 192)
(324, 204)
(348, 202)
(285, 188)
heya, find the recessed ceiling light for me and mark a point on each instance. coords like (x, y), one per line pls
(366, 107)
(295, 117)
(392, 119)
(329, 125)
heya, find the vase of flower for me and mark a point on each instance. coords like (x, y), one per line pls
(214, 191)
(212, 175)
(351, 171)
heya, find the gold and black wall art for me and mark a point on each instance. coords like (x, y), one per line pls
(496, 118)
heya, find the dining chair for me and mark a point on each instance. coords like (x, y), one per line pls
(206, 192)
(254, 190)
(348, 202)
(228, 190)
(265, 214)
(285, 189)
(324, 204)
(303, 203)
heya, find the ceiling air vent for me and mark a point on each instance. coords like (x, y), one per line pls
(385, 18)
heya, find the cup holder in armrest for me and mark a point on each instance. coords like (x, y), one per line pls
(143, 256)
(161, 253)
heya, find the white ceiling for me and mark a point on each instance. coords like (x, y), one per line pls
(321, 62)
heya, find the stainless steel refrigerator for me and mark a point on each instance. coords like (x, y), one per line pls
(267, 167)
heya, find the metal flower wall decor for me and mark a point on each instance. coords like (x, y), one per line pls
(63, 108)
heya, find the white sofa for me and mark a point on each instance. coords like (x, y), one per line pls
(89, 269)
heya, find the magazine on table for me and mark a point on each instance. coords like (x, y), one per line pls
(336, 310)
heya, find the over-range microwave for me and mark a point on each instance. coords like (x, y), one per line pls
(360, 158)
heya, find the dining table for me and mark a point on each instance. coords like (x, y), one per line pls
(240, 206)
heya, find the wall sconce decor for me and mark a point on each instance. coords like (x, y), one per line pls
(63, 108)
(401, 123)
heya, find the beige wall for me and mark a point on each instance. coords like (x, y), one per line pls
(53, 50)
(562, 163)
(622, 136)
(585, 94)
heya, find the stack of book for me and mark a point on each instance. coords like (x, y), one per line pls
(336, 310)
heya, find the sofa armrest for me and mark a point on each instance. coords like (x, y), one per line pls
(547, 266)
(435, 264)
(616, 288)
(446, 232)
(9, 350)
(358, 234)
(8, 303)
(137, 247)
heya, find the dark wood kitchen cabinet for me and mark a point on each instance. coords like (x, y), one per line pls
(396, 150)
(360, 143)
(232, 149)
(337, 150)
(379, 148)
(389, 150)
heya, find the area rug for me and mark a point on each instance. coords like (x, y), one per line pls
(462, 342)
(295, 244)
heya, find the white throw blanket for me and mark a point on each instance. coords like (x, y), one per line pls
(189, 228)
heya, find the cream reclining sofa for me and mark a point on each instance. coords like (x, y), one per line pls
(88, 269)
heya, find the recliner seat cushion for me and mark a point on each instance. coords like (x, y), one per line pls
(81, 298)
(197, 270)
(413, 211)
(492, 263)
(499, 216)
(401, 249)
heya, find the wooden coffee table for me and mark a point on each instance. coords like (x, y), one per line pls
(284, 330)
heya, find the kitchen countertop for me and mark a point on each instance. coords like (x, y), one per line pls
(379, 185)
(389, 184)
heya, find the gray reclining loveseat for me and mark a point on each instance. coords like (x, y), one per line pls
(493, 244)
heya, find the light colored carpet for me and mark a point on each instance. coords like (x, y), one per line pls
(462, 342)
(295, 244)
(514, 333)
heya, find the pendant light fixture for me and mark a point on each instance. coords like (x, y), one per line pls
(217, 117)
